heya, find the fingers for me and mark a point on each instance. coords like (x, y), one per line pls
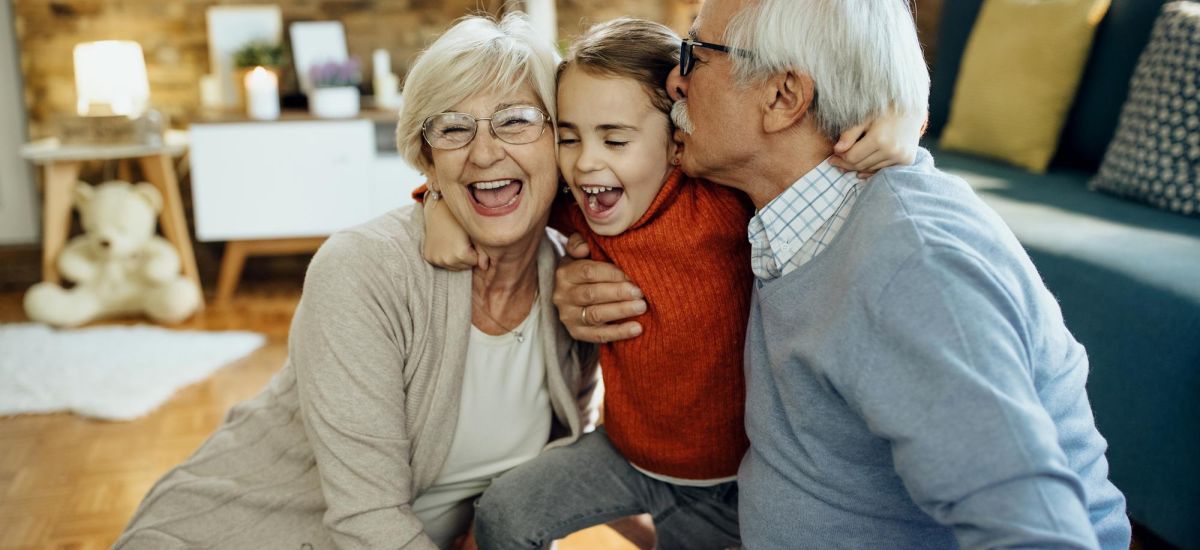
(483, 260)
(588, 271)
(596, 324)
(866, 163)
(596, 295)
(880, 166)
(849, 138)
(602, 314)
(606, 333)
(577, 247)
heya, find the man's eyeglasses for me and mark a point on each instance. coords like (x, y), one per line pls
(687, 61)
(515, 125)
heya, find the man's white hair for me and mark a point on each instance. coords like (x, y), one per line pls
(476, 55)
(863, 55)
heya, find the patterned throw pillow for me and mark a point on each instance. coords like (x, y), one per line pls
(1155, 155)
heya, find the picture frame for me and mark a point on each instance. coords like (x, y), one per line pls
(230, 28)
(316, 42)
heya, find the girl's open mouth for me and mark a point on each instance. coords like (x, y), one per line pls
(600, 201)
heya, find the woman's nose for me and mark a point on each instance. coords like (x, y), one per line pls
(486, 150)
(677, 85)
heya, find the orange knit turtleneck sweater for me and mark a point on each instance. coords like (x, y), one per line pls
(675, 396)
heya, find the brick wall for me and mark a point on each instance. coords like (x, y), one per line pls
(174, 37)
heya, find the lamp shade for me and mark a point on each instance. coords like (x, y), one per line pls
(110, 78)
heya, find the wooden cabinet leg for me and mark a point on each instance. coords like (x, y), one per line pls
(158, 171)
(125, 170)
(59, 185)
(231, 271)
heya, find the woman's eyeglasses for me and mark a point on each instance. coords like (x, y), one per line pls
(514, 125)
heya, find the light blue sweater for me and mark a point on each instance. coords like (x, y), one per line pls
(913, 386)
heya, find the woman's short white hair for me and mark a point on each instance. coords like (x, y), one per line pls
(863, 55)
(477, 55)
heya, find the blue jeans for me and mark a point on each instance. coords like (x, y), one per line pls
(589, 483)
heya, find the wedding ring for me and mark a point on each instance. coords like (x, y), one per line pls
(583, 315)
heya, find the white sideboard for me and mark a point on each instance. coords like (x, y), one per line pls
(294, 178)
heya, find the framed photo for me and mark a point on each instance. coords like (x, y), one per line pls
(316, 42)
(229, 29)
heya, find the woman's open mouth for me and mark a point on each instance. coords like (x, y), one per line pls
(600, 201)
(496, 197)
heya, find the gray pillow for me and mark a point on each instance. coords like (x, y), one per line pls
(1155, 155)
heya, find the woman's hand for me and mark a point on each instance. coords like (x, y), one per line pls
(446, 243)
(592, 296)
(889, 140)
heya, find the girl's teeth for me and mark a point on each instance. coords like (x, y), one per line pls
(593, 202)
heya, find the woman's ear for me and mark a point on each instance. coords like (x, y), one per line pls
(788, 98)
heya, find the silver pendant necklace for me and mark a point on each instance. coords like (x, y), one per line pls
(518, 333)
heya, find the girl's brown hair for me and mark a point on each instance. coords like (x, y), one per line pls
(632, 48)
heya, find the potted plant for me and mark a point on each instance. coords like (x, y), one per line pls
(267, 55)
(334, 89)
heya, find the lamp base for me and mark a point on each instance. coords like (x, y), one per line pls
(146, 129)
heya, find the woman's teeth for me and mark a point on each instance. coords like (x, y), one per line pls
(485, 185)
(497, 193)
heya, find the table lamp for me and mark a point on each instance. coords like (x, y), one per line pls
(110, 78)
(113, 96)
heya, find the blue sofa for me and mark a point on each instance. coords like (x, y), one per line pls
(1126, 275)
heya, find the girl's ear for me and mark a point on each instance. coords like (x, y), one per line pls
(675, 148)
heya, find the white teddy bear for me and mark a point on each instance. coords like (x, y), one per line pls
(119, 265)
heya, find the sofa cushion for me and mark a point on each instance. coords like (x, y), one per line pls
(1126, 276)
(1155, 156)
(1012, 98)
(1093, 117)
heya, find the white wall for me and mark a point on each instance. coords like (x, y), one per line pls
(18, 203)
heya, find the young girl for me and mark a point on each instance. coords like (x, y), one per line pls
(675, 395)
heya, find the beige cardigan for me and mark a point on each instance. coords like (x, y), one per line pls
(360, 419)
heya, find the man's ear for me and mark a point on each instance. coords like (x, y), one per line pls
(789, 97)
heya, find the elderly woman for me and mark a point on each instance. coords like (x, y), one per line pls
(408, 388)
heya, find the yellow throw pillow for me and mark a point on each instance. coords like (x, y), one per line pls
(1018, 78)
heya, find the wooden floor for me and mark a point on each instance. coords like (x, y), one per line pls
(67, 482)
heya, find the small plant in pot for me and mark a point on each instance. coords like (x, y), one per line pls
(334, 89)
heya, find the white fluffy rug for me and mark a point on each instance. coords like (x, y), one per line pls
(112, 372)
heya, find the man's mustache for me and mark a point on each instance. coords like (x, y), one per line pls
(680, 117)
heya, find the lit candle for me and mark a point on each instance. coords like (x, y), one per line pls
(262, 94)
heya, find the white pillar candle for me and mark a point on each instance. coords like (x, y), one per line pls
(262, 94)
(381, 63)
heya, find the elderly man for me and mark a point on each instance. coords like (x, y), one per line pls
(910, 379)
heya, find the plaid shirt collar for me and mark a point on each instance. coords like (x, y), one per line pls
(779, 230)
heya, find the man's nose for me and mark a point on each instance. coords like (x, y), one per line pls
(677, 85)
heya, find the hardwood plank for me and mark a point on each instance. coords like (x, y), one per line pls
(68, 482)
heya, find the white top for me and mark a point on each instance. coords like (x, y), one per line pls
(503, 421)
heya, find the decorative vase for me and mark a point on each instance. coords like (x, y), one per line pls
(339, 102)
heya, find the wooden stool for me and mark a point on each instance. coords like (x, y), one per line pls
(61, 166)
(237, 251)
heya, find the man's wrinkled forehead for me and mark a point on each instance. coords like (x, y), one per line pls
(713, 18)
